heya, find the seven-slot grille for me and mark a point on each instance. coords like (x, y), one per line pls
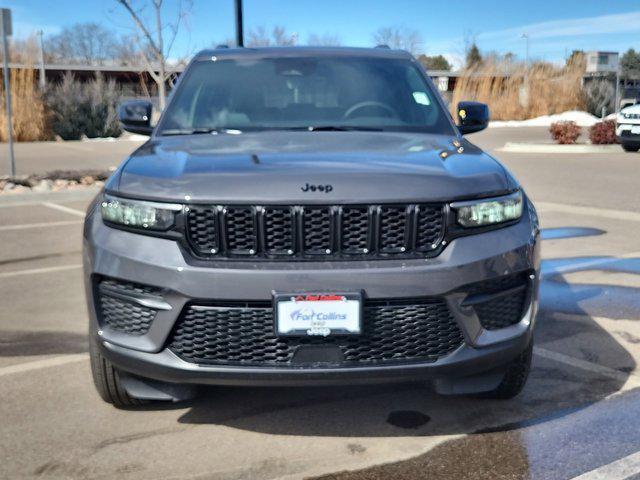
(307, 232)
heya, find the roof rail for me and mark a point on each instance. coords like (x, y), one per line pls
(383, 45)
(222, 45)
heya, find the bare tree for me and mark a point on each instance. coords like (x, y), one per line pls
(86, 43)
(127, 52)
(24, 50)
(399, 37)
(155, 38)
(327, 40)
(261, 37)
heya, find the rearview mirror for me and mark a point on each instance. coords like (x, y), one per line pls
(135, 116)
(472, 117)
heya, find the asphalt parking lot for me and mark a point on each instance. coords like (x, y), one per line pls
(577, 417)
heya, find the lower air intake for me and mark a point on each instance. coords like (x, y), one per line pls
(243, 334)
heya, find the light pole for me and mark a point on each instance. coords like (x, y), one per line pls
(6, 26)
(42, 80)
(616, 106)
(239, 33)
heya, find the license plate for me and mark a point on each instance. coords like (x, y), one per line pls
(318, 314)
(635, 130)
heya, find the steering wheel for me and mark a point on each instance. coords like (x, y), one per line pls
(361, 105)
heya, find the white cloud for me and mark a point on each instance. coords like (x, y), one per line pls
(598, 25)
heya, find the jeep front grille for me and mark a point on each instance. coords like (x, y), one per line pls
(313, 232)
(394, 331)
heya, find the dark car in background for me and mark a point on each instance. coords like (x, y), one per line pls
(309, 216)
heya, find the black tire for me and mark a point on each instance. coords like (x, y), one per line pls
(630, 148)
(106, 378)
(515, 377)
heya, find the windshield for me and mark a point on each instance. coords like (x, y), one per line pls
(339, 93)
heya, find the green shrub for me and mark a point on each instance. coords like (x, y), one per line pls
(603, 133)
(565, 132)
(88, 109)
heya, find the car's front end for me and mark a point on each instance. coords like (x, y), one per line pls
(628, 128)
(303, 257)
(192, 301)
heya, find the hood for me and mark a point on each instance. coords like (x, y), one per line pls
(634, 109)
(290, 166)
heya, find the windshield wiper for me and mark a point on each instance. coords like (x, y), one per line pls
(337, 128)
(200, 130)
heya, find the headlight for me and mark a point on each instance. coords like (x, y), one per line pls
(139, 214)
(489, 211)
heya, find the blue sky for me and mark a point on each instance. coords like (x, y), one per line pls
(554, 27)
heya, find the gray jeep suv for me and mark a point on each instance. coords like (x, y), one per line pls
(305, 216)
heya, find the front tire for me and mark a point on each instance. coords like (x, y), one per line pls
(515, 377)
(106, 379)
(630, 148)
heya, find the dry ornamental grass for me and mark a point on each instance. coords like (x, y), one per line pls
(551, 89)
(29, 113)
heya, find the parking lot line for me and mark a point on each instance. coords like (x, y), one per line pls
(45, 363)
(630, 379)
(618, 470)
(62, 208)
(33, 271)
(5, 228)
(590, 264)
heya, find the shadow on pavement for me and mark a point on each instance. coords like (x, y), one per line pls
(20, 343)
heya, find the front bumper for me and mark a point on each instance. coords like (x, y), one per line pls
(628, 133)
(160, 262)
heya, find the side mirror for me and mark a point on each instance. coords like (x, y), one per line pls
(135, 116)
(472, 117)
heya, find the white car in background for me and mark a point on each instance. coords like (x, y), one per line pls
(628, 128)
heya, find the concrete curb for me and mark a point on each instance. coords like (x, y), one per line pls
(515, 147)
(30, 198)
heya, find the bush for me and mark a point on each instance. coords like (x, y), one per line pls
(84, 108)
(603, 133)
(104, 98)
(65, 102)
(565, 132)
(599, 94)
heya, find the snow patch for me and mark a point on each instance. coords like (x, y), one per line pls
(130, 138)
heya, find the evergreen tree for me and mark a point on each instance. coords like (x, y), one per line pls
(474, 57)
